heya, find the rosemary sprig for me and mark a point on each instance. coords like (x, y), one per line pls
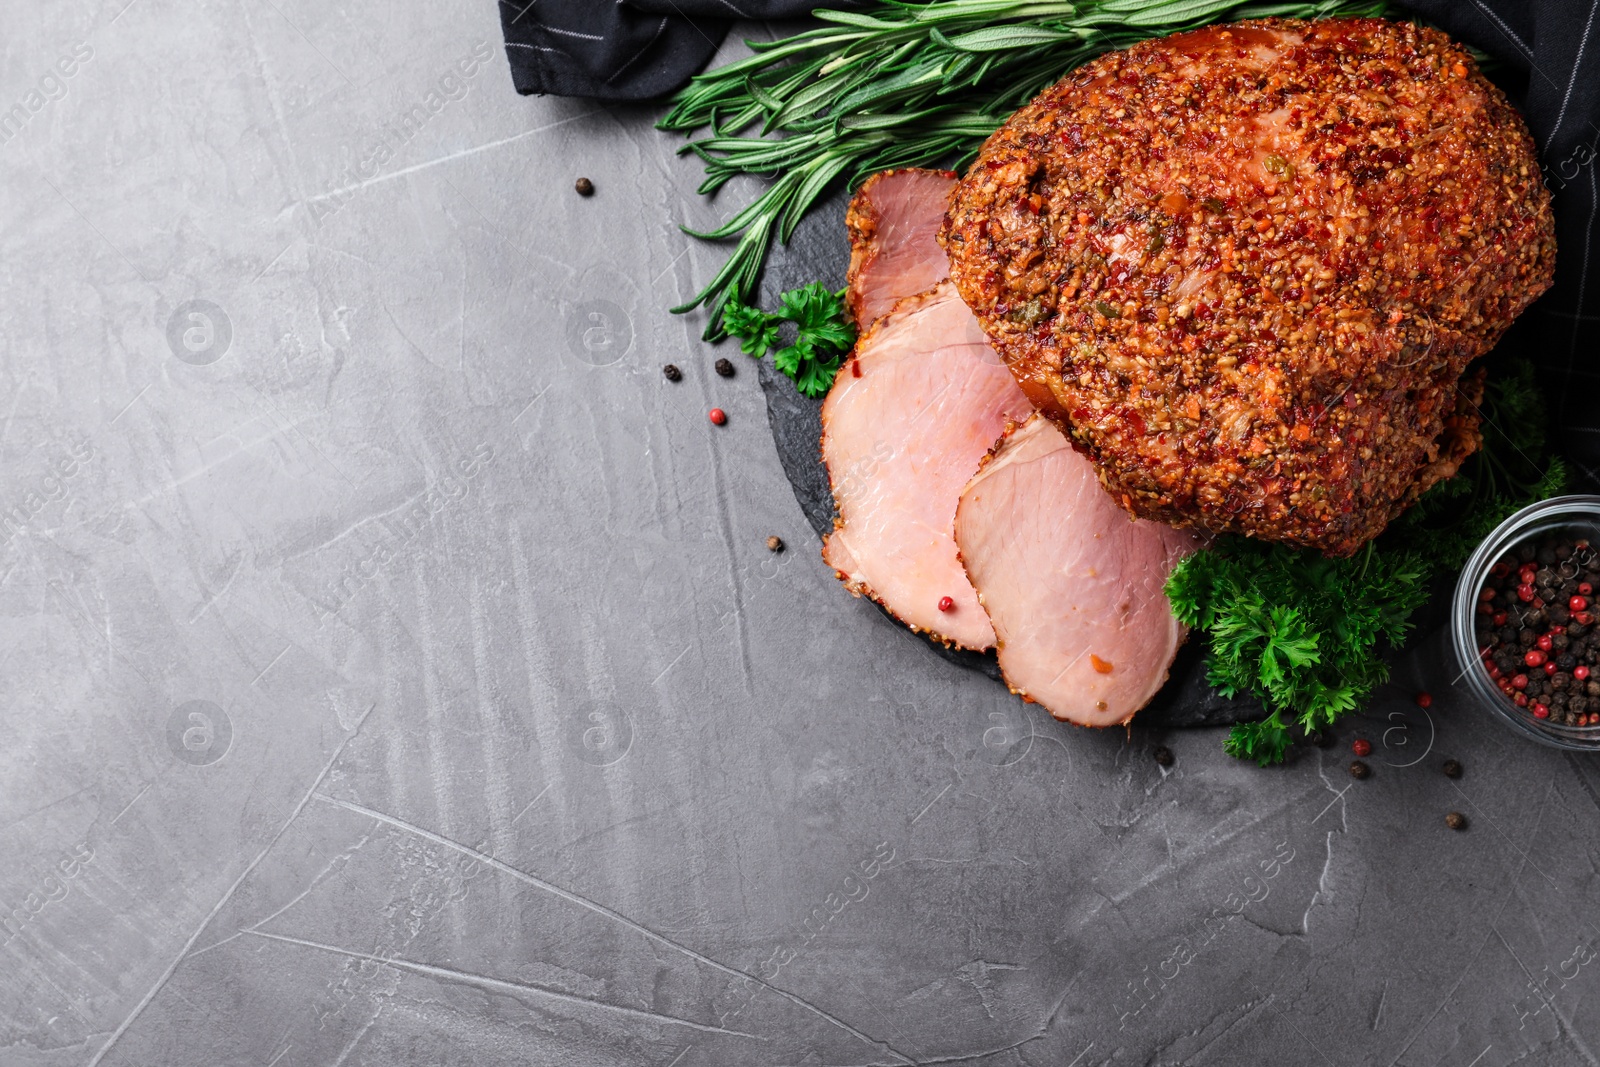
(900, 84)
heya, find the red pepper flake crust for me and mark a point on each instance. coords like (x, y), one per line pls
(1246, 267)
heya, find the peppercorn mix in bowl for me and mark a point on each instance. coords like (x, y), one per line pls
(1523, 622)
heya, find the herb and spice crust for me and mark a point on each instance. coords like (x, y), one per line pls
(1245, 268)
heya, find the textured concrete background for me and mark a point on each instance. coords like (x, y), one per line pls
(395, 672)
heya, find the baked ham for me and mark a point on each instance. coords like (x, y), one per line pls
(894, 221)
(1071, 584)
(910, 416)
(1245, 267)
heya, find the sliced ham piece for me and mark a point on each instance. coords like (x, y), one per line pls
(909, 418)
(894, 222)
(1073, 586)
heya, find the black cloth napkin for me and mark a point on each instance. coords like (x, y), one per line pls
(1550, 56)
(623, 49)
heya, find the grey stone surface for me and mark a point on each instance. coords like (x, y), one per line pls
(398, 674)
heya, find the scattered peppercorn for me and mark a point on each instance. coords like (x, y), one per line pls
(775, 543)
(1359, 770)
(1163, 755)
(672, 372)
(1361, 747)
(1424, 700)
(718, 416)
(1456, 821)
(724, 367)
(1452, 769)
(584, 186)
(946, 604)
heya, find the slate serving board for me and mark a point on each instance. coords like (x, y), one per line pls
(820, 250)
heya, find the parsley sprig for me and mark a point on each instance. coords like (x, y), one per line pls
(823, 333)
(1304, 634)
(1296, 629)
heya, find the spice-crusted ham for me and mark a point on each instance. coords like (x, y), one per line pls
(894, 223)
(1072, 585)
(905, 425)
(1245, 267)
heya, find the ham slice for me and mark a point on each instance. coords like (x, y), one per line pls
(1073, 586)
(894, 221)
(909, 418)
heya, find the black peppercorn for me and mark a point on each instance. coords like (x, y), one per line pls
(1452, 769)
(724, 367)
(1163, 756)
(672, 372)
(1456, 821)
(1359, 770)
(584, 186)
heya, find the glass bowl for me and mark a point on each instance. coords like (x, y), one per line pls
(1575, 517)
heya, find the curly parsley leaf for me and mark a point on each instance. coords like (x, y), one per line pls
(1266, 742)
(757, 331)
(1303, 633)
(823, 333)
